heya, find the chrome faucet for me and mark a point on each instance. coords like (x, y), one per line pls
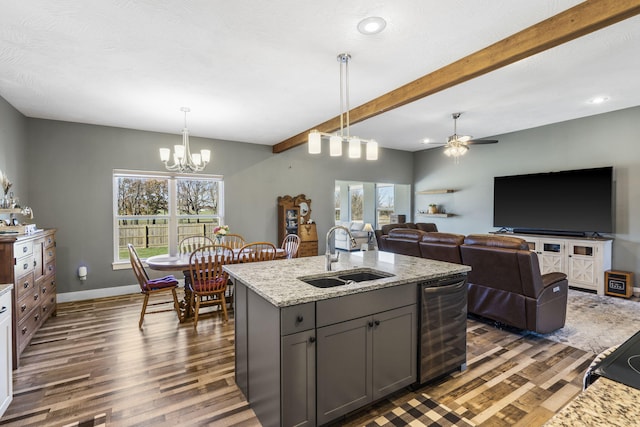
(330, 258)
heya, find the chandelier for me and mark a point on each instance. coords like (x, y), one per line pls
(335, 141)
(183, 160)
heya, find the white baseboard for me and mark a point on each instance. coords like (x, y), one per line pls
(98, 293)
(102, 293)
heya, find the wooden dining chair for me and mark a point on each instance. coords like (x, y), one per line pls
(290, 244)
(256, 251)
(234, 241)
(150, 287)
(191, 243)
(208, 279)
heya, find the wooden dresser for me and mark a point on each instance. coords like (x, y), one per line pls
(29, 262)
(308, 240)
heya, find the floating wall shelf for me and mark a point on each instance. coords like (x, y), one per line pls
(437, 215)
(444, 191)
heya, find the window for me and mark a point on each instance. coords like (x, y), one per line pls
(384, 203)
(155, 211)
(356, 201)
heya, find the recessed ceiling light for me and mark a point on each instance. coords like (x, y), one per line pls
(426, 140)
(371, 25)
(598, 100)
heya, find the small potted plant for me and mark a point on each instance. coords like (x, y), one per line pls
(433, 209)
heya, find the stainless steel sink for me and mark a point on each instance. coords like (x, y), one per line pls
(325, 282)
(339, 278)
(363, 276)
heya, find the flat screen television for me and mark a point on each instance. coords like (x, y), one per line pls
(568, 202)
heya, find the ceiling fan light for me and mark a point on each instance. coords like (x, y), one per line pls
(335, 146)
(354, 148)
(315, 142)
(372, 150)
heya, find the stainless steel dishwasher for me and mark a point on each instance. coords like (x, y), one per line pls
(443, 327)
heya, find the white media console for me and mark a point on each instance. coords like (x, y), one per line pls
(583, 260)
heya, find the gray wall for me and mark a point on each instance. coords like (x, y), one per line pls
(64, 172)
(13, 150)
(71, 168)
(604, 140)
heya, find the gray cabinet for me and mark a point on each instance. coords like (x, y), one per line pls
(364, 359)
(298, 358)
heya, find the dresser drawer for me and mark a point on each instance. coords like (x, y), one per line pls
(21, 249)
(48, 306)
(27, 304)
(23, 266)
(50, 268)
(25, 285)
(26, 328)
(49, 241)
(49, 254)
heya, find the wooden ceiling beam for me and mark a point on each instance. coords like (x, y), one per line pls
(585, 18)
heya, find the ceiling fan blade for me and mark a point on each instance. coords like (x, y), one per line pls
(464, 138)
(482, 141)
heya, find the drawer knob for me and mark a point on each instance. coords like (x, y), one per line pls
(44, 289)
(35, 297)
(376, 322)
(37, 317)
(299, 319)
(25, 249)
(370, 324)
(23, 307)
(24, 330)
(26, 285)
(312, 339)
(25, 266)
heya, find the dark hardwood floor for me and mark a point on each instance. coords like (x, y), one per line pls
(92, 361)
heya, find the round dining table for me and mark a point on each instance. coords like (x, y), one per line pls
(180, 262)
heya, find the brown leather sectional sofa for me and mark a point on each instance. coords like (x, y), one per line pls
(505, 283)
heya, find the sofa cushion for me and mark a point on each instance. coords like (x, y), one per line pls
(426, 226)
(388, 227)
(506, 242)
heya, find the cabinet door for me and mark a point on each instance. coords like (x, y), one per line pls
(343, 368)
(582, 264)
(298, 366)
(551, 254)
(394, 350)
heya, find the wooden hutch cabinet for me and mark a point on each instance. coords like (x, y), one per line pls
(293, 218)
(29, 262)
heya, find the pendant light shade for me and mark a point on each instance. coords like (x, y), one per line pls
(335, 141)
(183, 160)
(354, 148)
(335, 146)
(372, 150)
(315, 142)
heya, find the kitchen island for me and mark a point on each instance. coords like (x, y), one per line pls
(307, 355)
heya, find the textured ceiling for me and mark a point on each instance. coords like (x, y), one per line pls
(261, 72)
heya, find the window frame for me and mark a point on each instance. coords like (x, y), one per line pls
(172, 217)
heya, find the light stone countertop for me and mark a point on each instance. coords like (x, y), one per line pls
(603, 403)
(277, 281)
(5, 288)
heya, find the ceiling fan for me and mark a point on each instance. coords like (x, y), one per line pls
(458, 145)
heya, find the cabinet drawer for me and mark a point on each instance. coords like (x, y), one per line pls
(48, 306)
(49, 241)
(297, 318)
(50, 267)
(21, 249)
(26, 328)
(23, 266)
(49, 254)
(24, 285)
(27, 304)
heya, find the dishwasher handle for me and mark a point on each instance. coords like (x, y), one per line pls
(445, 289)
(3, 309)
